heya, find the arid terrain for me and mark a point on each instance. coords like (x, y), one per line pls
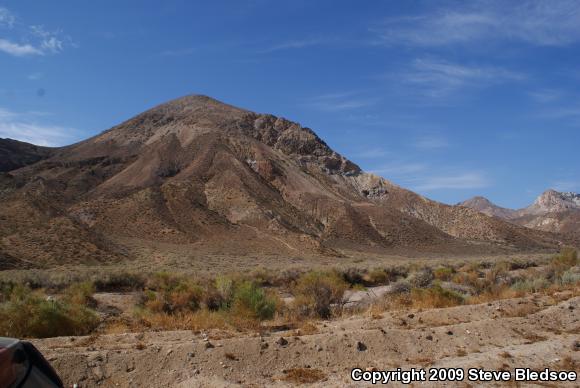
(536, 331)
(202, 245)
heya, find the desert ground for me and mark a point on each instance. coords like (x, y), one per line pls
(535, 331)
(494, 313)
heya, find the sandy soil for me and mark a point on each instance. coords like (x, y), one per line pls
(535, 331)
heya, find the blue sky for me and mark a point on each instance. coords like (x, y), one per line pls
(451, 99)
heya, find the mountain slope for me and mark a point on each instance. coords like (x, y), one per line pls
(195, 172)
(15, 154)
(552, 211)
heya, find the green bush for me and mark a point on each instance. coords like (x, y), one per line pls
(435, 297)
(81, 294)
(317, 292)
(30, 314)
(444, 273)
(530, 285)
(252, 301)
(569, 277)
(225, 289)
(567, 258)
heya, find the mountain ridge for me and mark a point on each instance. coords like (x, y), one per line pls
(195, 172)
(551, 211)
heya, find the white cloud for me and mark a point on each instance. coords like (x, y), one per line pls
(20, 40)
(24, 127)
(18, 50)
(538, 22)
(466, 180)
(7, 19)
(50, 41)
(338, 102)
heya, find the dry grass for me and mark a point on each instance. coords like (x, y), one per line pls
(306, 328)
(199, 320)
(303, 375)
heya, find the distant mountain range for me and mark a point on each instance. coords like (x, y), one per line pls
(552, 211)
(198, 177)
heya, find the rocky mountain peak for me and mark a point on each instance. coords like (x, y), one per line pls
(552, 201)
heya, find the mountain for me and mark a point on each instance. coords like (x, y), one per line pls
(552, 211)
(195, 177)
(485, 206)
(15, 154)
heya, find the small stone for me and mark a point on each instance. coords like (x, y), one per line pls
(429, 337)
(264, 346)
(209, 345)
(360, 346)
(282, 341)
(449, 332)
(371, 369)
(411, 316)
(576, 346)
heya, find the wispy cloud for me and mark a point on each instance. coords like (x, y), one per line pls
(426, 177)
(21, 40)
(546, 95)
(7, 19)
(438, 78)
(338, 102)
(178, 52)
(35, 76)
(25, 127)
(399, 169)
(372, 153)
(431, 142)
(538, 22)
(466, 180)
(297, 44)
(571, 185)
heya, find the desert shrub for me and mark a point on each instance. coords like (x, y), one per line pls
(376, 276)
(421, 278)
(531, 285)
(567, 258)
(81, 294)
(317, 292)
(353, 275)
(262, 277)
(435, 297)
(401, 286)
(459, 288)
(212, 299)
(498, 274)
(31, 314)
(119, 281)
(253, 302)
(225, 289)
(569, 277)
(174, 297)
(443, 273)
(469, 278)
